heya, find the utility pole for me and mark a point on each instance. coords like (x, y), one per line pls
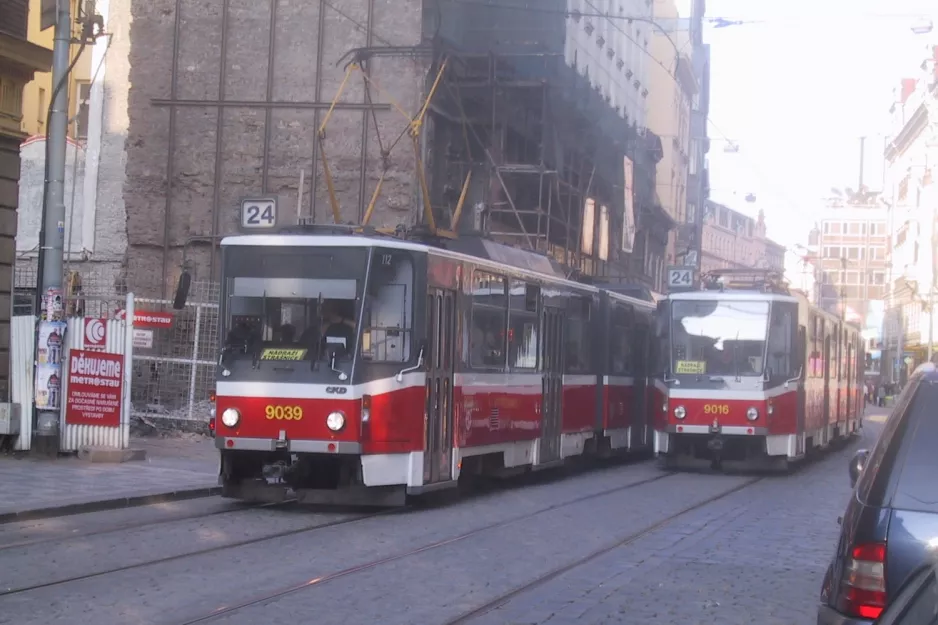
(52, 242)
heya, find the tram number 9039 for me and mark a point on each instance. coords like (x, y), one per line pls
(284, 413)
(716, 409)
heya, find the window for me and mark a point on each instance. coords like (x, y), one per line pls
(781, 349)
(388, 318)
(604, 232)
(620, 341)
(853, 253)
(577, 339)
(835, 227)
(83, 104)
(522, 326)
(852, 228)
(488, 336)
(879, 277)
(42, 111)
(589, 226)
(719, 337)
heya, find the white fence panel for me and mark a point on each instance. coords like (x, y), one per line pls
(73, 437)
(22, 360)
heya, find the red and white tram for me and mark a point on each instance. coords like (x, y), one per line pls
(753, 373)
(363, 368)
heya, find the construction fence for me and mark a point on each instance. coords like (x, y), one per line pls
(174, 363)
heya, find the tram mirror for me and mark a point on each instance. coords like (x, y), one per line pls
(182, 290)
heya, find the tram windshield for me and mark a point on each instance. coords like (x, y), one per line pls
(722, 338)
(292, 304)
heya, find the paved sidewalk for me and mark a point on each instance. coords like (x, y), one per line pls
(175, 468)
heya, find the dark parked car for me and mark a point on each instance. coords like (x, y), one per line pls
(890, 527)
(916, 603)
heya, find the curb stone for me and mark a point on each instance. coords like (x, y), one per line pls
(108, 504)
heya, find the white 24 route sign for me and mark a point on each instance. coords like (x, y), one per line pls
(680, 277)
(258, 213)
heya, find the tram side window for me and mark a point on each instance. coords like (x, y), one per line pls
(577, 348)
(782, 343)
(522, 326)
(620, 342)
(488, 333)
(388, 329)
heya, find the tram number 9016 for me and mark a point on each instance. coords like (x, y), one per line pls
(284, 413)
(716, 409)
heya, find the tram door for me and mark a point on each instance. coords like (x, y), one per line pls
(438, 419)
(552, 359)
(802, 364)
(640, 413)
(827, 389)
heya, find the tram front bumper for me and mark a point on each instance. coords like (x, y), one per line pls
(228, 443)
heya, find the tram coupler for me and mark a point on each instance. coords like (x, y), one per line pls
(715, 445)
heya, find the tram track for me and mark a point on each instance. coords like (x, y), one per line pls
(11, 591)
(134, 525)
(623, 541)
(199, 552)
(367, 566)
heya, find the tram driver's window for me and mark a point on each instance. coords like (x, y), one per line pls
(782, 347)
(388, 321)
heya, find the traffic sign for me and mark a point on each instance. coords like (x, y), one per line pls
(680, 278)
(258, 213)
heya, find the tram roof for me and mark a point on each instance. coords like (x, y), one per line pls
(488, 254)
(732, 296)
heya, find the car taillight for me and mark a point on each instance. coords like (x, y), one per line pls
(864, 581)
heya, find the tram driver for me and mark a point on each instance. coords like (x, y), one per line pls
(338, 323)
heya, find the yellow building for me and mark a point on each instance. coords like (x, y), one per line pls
(37, 94)
(673, 88)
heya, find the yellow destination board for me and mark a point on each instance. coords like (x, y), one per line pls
(692, 367)
(283, 354)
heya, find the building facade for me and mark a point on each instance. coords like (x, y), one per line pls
(19, 61)
(38, 94)
(734, 240)
(167, 162)
(850, 246)
(912, 159)
(674, 86)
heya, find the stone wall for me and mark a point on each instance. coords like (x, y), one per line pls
(241, 118)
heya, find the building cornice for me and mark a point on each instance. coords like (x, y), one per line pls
(28, 56)
(912, 128)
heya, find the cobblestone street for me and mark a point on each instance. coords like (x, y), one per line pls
(652, 548)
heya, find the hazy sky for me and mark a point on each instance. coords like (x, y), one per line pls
(796, 90)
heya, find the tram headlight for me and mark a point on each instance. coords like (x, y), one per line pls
(752, 414)
(680, 412)
(230, 417)
(335, 421)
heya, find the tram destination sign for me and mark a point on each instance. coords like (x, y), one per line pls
(681, 278)
(258, 213)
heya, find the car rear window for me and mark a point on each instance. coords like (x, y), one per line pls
(916, 487)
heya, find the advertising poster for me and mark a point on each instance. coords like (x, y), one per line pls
(51, 342)
(95, 387)
(48, 387)
(53, 304)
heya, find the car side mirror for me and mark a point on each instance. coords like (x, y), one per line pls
(857, 463)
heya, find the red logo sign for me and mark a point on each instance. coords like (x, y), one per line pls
(95, 334)
(95, 384)
(148, 318)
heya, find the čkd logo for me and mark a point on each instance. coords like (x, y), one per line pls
(336, 390)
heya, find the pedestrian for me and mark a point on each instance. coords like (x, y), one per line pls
(881, 396)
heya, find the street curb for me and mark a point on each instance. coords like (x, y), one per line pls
(108, 504)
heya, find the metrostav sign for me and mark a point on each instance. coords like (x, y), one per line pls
(148, 318)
